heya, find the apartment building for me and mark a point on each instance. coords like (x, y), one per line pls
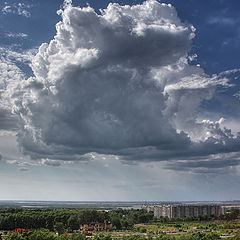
(181, 211)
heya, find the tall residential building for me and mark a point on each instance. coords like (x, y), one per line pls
(181, 211)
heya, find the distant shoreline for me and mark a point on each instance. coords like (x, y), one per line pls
(100, 204)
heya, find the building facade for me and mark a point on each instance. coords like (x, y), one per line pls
(95, 226)
(181, 211)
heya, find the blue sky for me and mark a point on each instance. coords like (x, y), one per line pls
(136, 103)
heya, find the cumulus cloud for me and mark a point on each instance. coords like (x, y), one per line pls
(13, 57)
(119, 83)
(10, 77)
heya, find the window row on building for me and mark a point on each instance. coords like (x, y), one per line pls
(181, 211)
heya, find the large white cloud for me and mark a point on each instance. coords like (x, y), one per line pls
(11, 76)
(119, 83)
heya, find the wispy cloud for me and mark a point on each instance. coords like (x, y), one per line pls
(215, 164)
(222, 20)
(20, 9)
(39, 163)
(16, 35)
(53, 163)
(237, 95)
(23, 169)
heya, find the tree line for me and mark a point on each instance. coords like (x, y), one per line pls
(11, 219)
(71, 219)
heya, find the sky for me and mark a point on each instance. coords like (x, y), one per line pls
(126, 100)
